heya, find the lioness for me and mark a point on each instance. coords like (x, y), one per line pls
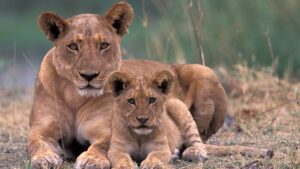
(70, 88)
(86, 49)
(149, 126)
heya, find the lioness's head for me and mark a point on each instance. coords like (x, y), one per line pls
(87, 46)
(139, 100)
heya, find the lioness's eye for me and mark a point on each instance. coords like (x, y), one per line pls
(152, 100)
(131, 101)
(73, 46)
(104, 45)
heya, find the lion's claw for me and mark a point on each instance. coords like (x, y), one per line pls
(89, 161)
(194, 154)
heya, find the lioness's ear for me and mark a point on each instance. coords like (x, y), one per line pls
(120, 17)
(117, 82)
(163, 81)
(52, 25)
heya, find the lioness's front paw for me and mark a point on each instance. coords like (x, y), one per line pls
(194, 154)
(91, 161)
(153, 163)
(46, 160)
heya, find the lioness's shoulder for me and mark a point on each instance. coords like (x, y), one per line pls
(47, 74)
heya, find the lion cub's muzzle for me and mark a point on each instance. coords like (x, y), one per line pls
(143, 128)
(142, 119)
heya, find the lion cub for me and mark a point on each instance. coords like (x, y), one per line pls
(148, 126)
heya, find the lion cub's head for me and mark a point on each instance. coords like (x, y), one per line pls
(87, 46)
(139, 100)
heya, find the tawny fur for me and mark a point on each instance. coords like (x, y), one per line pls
(85, 45)
(65, 103)
(204, 96)
(197, 86)
(168, 126)
(169, 118)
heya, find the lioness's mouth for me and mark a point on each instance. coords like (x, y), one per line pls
(90, 87)
(90, 91)
(142, 127)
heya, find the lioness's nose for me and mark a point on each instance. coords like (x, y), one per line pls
(142, 119)
(88, 76)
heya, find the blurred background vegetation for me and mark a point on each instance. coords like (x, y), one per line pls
(257, 33)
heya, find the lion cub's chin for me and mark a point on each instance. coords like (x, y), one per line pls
(90, 92)
(143, 131)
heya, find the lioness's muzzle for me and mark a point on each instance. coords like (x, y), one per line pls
(89, 75)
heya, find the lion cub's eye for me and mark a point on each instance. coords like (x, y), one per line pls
(131, 101)
(152, 100)
(104, 45)
(73, 46)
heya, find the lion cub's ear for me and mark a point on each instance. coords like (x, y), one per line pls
(118, 82)
(120, 17)
(52, 25)
(163, 81)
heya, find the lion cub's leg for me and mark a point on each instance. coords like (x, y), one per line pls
(124, 146)
(97, 131)
(120, 149)
(120, 160)
(95, 156)
(178, 111)
(160, 155)
(158, 159)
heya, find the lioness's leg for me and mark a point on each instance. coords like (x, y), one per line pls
(209, 108)
(49, 123)
(205, 97)
(43, 149)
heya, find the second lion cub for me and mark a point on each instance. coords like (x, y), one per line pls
(148, 126)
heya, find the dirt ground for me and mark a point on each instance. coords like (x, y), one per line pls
(264, 113)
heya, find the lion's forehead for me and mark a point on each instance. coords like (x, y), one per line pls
(140, 84)
(142, 95)
(83, 19)
(88, 25)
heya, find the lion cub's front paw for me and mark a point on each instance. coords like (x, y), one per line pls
(194, 154)
(91, 161)
(153, 163)
(125, 166)
(46, 160)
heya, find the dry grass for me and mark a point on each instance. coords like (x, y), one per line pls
(265, 112)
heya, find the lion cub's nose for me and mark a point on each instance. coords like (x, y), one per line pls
(142, 119)
(88, 76)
